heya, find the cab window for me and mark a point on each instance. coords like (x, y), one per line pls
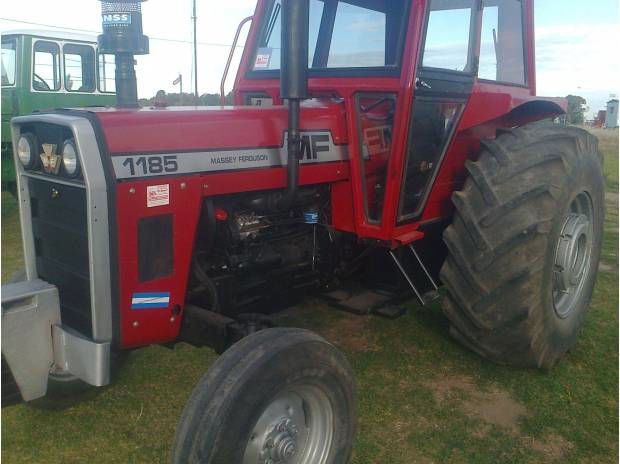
(46, 67)
(502, 56)
(447, 44)
(268, 53)
(107, 70)
(343, 34)
(8, 62)
(358, 39)
(79, 68)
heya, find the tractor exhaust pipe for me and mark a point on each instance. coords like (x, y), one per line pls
(122, 36)
(294, 83)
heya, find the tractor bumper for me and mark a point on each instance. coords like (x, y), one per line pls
(34, 342)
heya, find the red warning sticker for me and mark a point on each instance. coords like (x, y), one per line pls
(263, 57)
(157, 195)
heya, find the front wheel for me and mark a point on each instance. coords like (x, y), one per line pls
(280, 396)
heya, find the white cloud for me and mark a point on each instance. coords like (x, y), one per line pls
(578, 60)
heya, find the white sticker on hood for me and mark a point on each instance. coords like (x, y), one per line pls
(157, 195)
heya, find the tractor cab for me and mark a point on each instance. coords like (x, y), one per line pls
(403, 73)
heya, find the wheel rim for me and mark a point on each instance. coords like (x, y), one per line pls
(573, 256)
(297, 427)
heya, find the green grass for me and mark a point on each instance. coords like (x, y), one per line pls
(12, 253)
(422, 397)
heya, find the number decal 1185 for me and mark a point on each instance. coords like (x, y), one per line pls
(153, 164)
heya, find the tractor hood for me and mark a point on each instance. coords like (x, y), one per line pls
(187, 129)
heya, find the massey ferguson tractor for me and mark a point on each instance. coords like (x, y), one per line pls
(376, 149)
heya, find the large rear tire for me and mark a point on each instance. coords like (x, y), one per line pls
(278, 396)
(525, 244)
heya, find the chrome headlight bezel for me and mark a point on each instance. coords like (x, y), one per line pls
(27, 140)
(70, 159)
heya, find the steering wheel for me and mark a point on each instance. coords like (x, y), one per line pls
(40, 82)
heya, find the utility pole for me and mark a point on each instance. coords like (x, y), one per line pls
(195, 55)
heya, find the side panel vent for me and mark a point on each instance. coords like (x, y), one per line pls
(155, 251)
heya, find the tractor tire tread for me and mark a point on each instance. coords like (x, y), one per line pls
(506, 209)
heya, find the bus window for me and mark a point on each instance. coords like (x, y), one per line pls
(107, 70)
(79, 68)
(8, 62)
(46, 68)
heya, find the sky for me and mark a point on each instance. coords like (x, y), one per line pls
(576, 42)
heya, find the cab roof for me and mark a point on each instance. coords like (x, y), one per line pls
(50, 34)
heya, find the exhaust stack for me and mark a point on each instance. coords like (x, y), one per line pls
(123, 37)
(294, 82)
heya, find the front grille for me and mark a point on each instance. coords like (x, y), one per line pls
(59, 227)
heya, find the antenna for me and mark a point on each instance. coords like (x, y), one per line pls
(194, 18)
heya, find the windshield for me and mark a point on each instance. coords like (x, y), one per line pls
(8, 62)
(343, 34)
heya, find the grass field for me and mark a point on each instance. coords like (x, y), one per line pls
(423, 398)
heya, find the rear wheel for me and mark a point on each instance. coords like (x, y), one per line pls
(525, 244)
(280, 396)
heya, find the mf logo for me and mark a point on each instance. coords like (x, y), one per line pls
(49, 158)
(116, 18)
(314, 144)
(378, 139)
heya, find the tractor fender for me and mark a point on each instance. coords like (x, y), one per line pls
(535, 110)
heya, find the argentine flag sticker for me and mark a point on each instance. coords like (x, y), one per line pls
(150, 300)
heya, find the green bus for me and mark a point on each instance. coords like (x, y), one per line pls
(49, 69)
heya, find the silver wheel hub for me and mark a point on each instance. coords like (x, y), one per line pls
(295, 428)
(573, 256)
(281, 443)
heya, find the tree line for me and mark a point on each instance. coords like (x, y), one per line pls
(162, 98)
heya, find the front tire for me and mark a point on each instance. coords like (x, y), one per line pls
(525, 244)
(277, 396)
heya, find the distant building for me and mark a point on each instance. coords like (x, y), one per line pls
(599, 121)
(611, 120)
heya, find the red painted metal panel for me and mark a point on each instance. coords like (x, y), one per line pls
(182, 129)
(145, 326)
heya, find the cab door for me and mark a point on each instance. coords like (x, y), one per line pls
(443, 84)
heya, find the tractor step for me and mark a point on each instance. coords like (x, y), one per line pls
(407, 269)
(388, 301)
(430, 296)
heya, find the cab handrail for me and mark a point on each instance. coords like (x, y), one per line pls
(230, 57)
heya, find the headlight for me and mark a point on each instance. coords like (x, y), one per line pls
(26, 150)
(70, 159)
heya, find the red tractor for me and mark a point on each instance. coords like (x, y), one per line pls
(376, 148)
